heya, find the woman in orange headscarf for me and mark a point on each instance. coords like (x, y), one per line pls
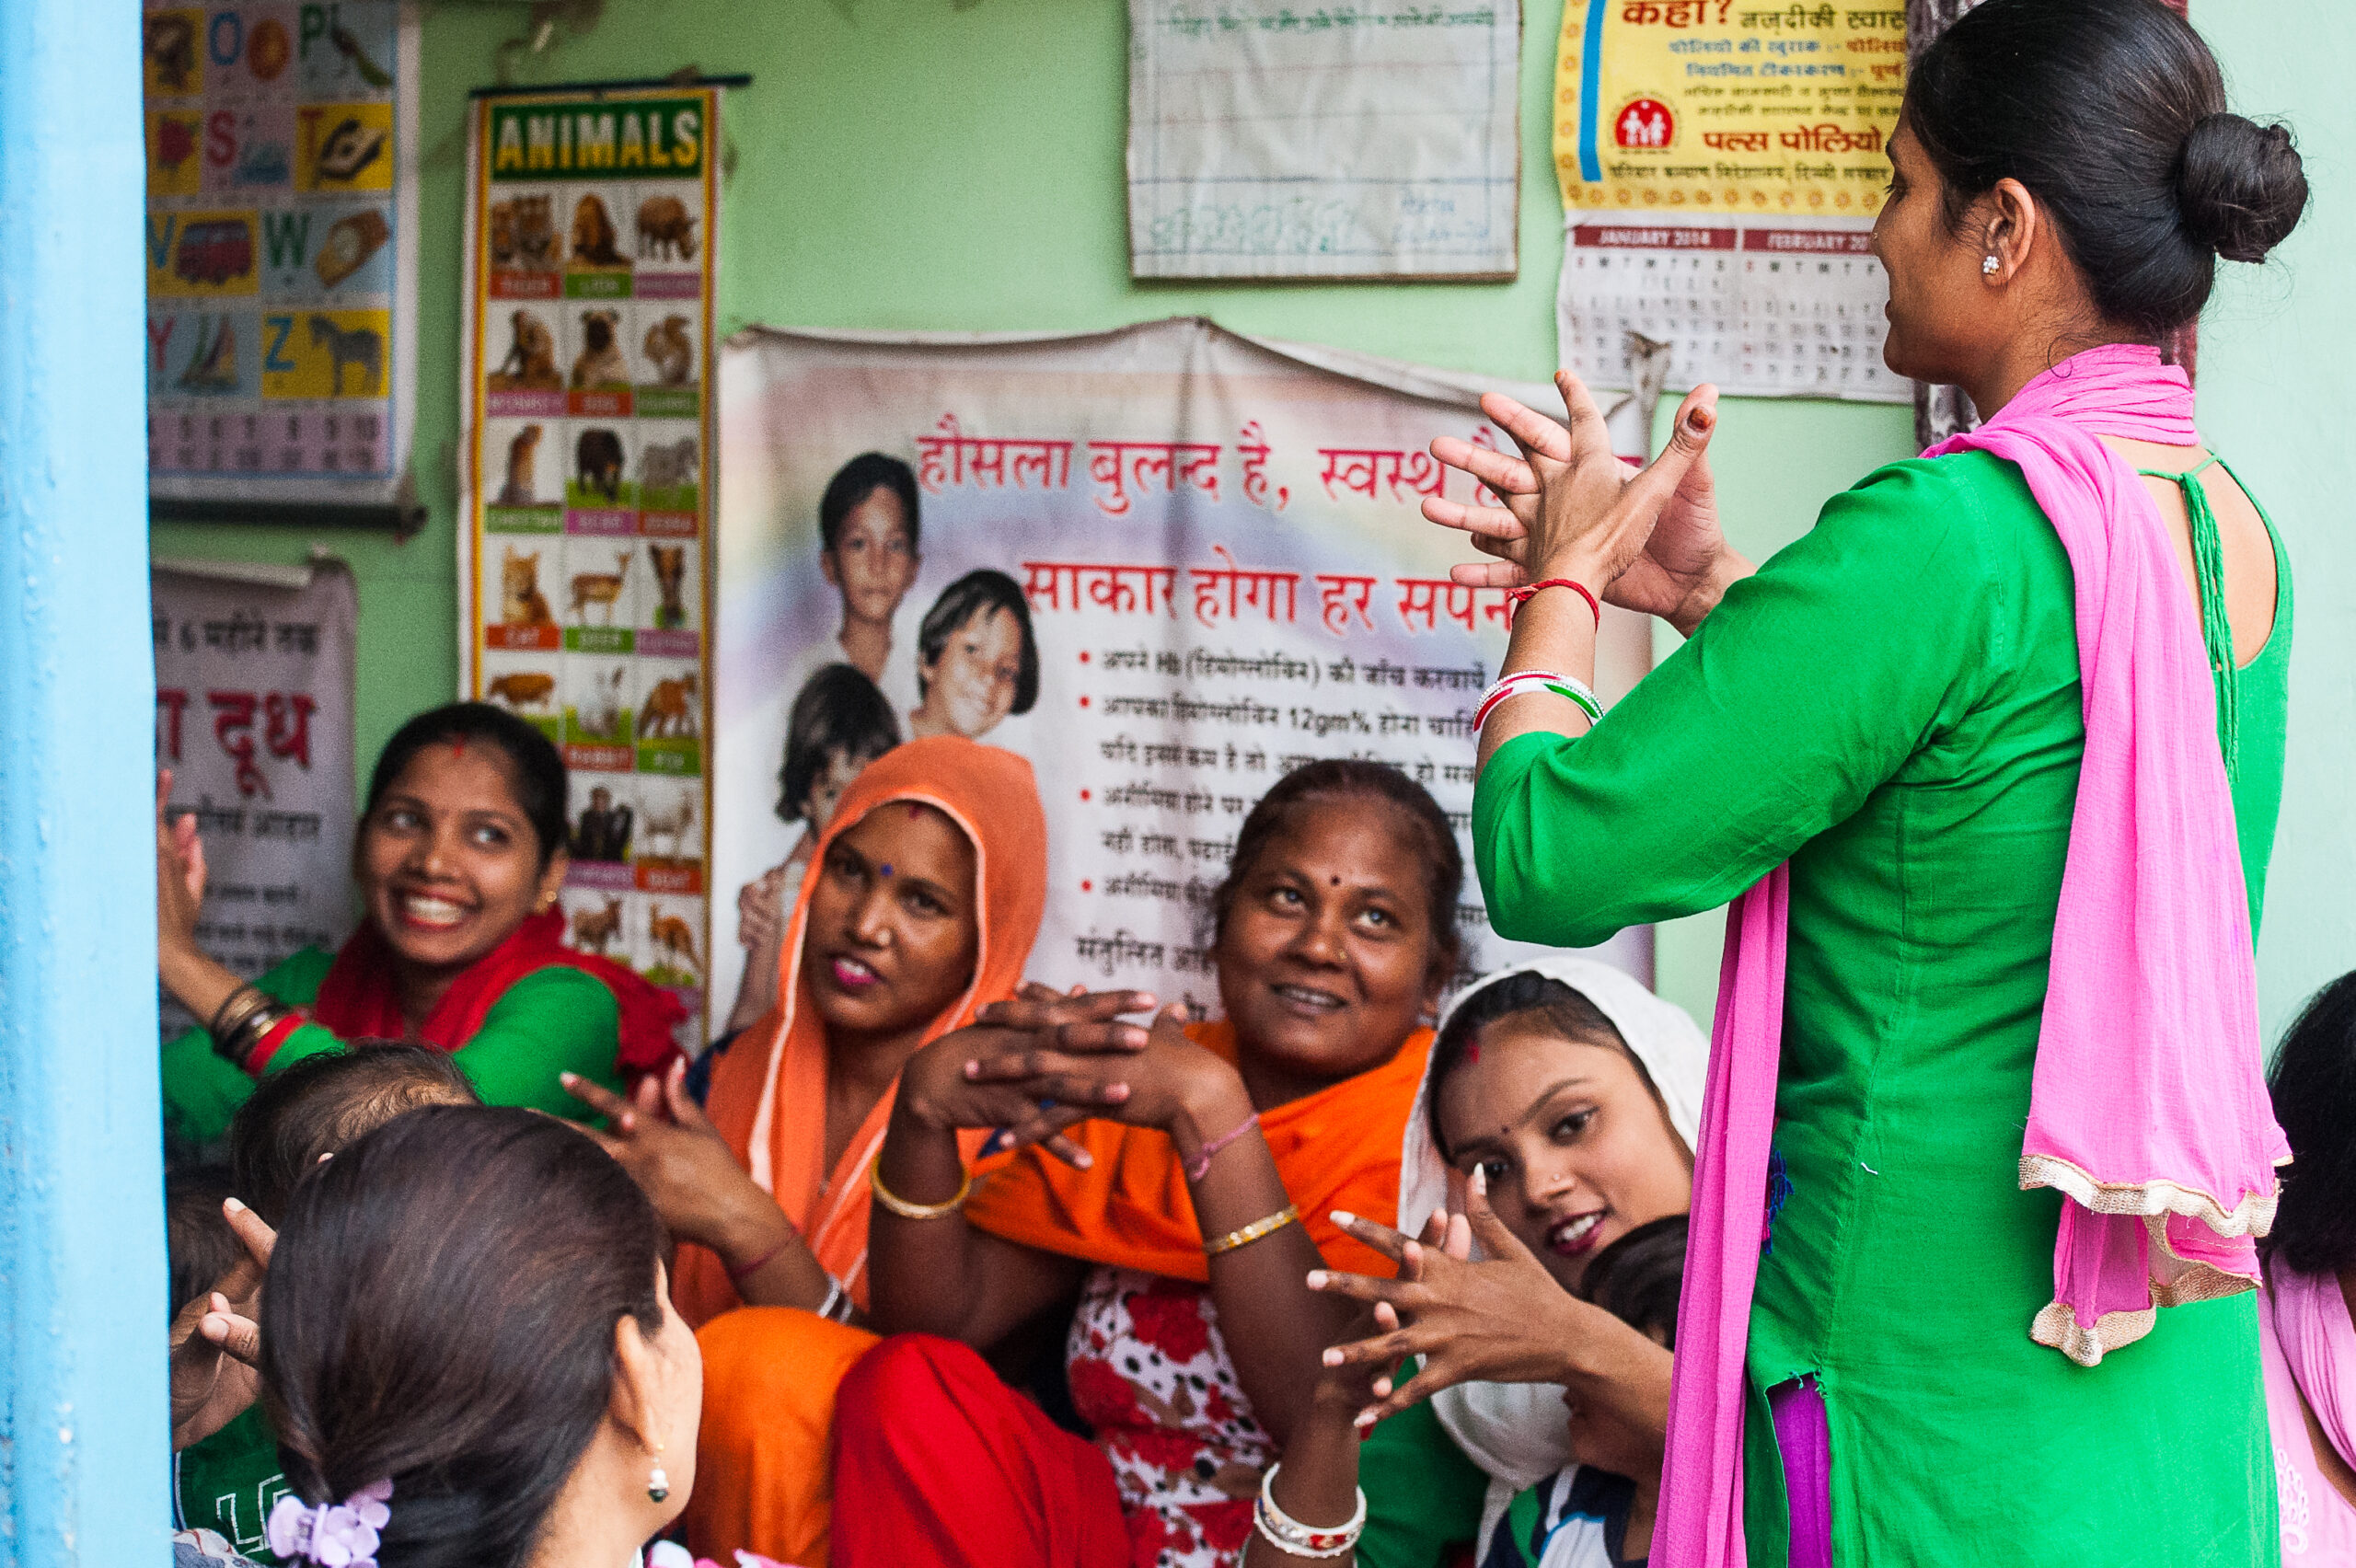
(925, 894)
(1198, 1199)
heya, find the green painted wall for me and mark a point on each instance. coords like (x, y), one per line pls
(914, 165)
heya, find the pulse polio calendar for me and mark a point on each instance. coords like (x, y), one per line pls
(1721, 164)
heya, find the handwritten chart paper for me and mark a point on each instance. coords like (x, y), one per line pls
(1276, 141)
(1721, 164)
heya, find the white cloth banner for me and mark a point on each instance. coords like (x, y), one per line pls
(1209, 548)
(253, 716)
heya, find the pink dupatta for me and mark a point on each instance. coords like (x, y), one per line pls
(2148, 1107)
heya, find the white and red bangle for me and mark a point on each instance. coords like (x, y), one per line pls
(1522, 596)
(1521, 682)
(1294, 1538)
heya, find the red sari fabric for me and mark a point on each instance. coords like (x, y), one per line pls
(951, 1467)
(358, 999)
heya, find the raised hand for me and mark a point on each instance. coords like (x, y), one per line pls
(180, 870)
(1667, 568)
(216, 1342)
(1500, 1320)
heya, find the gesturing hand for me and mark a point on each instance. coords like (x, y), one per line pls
(216, 1344)
(179, 872)
(1502, 1319)
(687, 1169)
(1031, 1066)
(1649, 539)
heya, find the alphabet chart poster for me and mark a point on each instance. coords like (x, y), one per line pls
(591, 239)
(1721, 164)
(282, 232)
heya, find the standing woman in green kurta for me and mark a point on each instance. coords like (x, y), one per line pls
(459, 861)
(1893, 706)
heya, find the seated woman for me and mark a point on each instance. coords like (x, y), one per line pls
(2306, 1340)
(1193, 1352)
(932, 877)
(458, 859)
(1567, 1095)
(469, 1353)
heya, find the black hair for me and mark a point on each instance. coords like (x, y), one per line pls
(1352, 777)
(1568, 1011)
(857, 479)
(322, 1103)
(1636, 1279)
(2112, 114)
(535, 766)
(2314, 1083)
(839, 710)
(199, 1246)
(980, 593)
(441, 1314)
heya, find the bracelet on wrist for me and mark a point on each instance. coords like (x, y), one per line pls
(1294, 1538)
(1200, 1166)
(1522, 596)
(908, 1210)
(1245, 1234)
(1522, 683)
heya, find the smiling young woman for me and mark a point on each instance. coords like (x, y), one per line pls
(459, 858)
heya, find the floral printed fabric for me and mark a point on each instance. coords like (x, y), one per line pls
(1151, 1373)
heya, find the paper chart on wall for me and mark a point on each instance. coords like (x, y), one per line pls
(1208, 551)
(1721, 163)
(281, 249)
(592, 235)
(1376, 140)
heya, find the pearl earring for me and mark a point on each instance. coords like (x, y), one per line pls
(658, 1485)
(1988, 267)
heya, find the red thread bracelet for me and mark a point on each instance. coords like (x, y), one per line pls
(1522, 595)
(740, 1275)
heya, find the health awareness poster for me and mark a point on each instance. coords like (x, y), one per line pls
(1721, 163)
(591, 234)
(281, 237)
(1165, 564)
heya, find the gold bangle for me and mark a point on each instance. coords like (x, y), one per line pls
(908, 1210)
(1252, 1232)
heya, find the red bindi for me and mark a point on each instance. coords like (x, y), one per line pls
(1473, 1054)
(913, 811)
(458, 746)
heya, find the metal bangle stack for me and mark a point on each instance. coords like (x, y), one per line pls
(242, 1022)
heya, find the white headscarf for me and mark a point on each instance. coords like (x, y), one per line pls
(1517, 1431)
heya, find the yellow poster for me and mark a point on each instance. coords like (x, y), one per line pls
(324, 353)
(1727, 106)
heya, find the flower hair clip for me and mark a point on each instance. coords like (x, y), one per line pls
(334, 1535)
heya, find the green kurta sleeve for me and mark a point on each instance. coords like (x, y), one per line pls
(555, 1019)
(1423, 1496)
(1812, 682)
(201, 1091)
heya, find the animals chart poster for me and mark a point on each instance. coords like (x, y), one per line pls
(1721, 163)
(592, 220)
(282, 235)
(1166, 565)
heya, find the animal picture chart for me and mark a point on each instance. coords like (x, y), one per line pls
(1721, 163)
(1271, 140)
(281, 237)
(591, 250)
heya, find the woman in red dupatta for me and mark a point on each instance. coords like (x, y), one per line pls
(459, 858)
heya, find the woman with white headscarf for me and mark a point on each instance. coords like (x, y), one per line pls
(1557, 1114)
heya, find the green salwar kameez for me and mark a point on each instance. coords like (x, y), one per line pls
(1892, 705)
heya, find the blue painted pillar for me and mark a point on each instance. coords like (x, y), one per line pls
(83, 1445)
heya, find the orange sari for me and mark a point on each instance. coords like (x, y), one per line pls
(1337, 1148)
(762, 1480)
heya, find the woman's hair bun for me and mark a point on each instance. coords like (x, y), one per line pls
(2240, 187)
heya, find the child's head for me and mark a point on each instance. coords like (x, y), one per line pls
(976, 658)
(319, 1104)
(841, 722)
(1532, 1084)
(1636, 1279)
(470, 1303)
(2314, 1082)
(197, 1237)
(1336, 928)
(867, 534)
